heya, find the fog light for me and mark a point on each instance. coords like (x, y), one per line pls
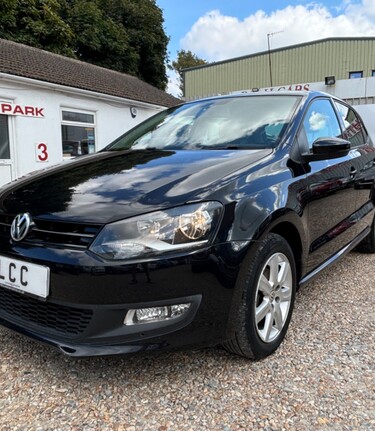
(155, 314)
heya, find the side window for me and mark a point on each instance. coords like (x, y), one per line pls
(352, 125)
(321, 121)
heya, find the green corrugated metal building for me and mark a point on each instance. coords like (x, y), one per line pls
(308, 62)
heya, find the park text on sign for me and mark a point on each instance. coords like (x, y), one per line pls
(25, 111)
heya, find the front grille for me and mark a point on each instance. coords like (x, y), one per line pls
(67, 234)
(60, 319)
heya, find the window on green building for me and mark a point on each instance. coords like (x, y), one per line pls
(357, 74)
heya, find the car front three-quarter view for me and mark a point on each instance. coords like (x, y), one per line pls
(193, 229)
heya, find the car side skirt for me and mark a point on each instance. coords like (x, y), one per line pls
(336, 257)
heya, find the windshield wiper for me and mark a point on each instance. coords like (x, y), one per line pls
(212, 147)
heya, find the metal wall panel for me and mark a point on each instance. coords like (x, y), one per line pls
(309, 62)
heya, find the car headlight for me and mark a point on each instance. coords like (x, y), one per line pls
(175, 229)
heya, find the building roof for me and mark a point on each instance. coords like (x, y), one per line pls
(34, 63)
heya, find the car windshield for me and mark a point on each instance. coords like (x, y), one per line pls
(229, 123)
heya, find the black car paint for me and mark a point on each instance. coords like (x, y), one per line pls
(133, 182)
(320, 207)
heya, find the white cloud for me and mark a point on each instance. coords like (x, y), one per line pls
(173, 83)
(317, 121)
(217, 37)
(367, 8)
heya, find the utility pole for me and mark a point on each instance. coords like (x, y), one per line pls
(269, 52)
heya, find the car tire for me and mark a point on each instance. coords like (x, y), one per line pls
(367, 245)
(264, 299)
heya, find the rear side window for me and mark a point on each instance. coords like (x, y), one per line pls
(353, 129)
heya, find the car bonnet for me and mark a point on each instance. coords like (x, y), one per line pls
(109, 186)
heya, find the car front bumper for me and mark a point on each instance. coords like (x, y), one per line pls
(89, 299)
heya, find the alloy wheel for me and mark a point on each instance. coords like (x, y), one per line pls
(273, 297)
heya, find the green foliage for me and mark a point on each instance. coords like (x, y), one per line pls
(143, 21)
(8, 16)
(100, 40)
(37, 23)
(185, 59)
(124, 35)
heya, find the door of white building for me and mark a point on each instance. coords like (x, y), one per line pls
(6, 160)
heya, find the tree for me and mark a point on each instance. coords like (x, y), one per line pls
(143, 21)
(98, 39)
(123, 35)
(36, 23)
(185, 59)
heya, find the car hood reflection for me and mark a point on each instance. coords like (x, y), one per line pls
(109, 186)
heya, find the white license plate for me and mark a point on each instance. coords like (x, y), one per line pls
(24, 276)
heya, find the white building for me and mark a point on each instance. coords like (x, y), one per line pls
(53, 108)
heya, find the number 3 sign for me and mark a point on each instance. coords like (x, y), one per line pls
(41, 152)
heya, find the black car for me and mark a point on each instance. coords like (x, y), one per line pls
(193, 229)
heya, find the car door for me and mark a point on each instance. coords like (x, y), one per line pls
(332, 197)
(364, 163)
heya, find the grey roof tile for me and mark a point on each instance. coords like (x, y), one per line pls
(34, 63)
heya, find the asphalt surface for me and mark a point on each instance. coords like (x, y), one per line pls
(321, 378)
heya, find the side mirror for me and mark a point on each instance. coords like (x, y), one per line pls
(327, 148)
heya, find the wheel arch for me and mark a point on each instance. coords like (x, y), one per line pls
(291, 234)
(290, 226)
(242, 337)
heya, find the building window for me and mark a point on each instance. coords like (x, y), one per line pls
(4, 138)
(78, 133)
(373, 73)
(358, 74)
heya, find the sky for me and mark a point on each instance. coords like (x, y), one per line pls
(221, 29)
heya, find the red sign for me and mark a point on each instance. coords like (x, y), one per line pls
(41, 150)
(25, 111)
(294, 87)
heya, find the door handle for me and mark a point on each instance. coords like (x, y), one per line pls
(353, 172)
